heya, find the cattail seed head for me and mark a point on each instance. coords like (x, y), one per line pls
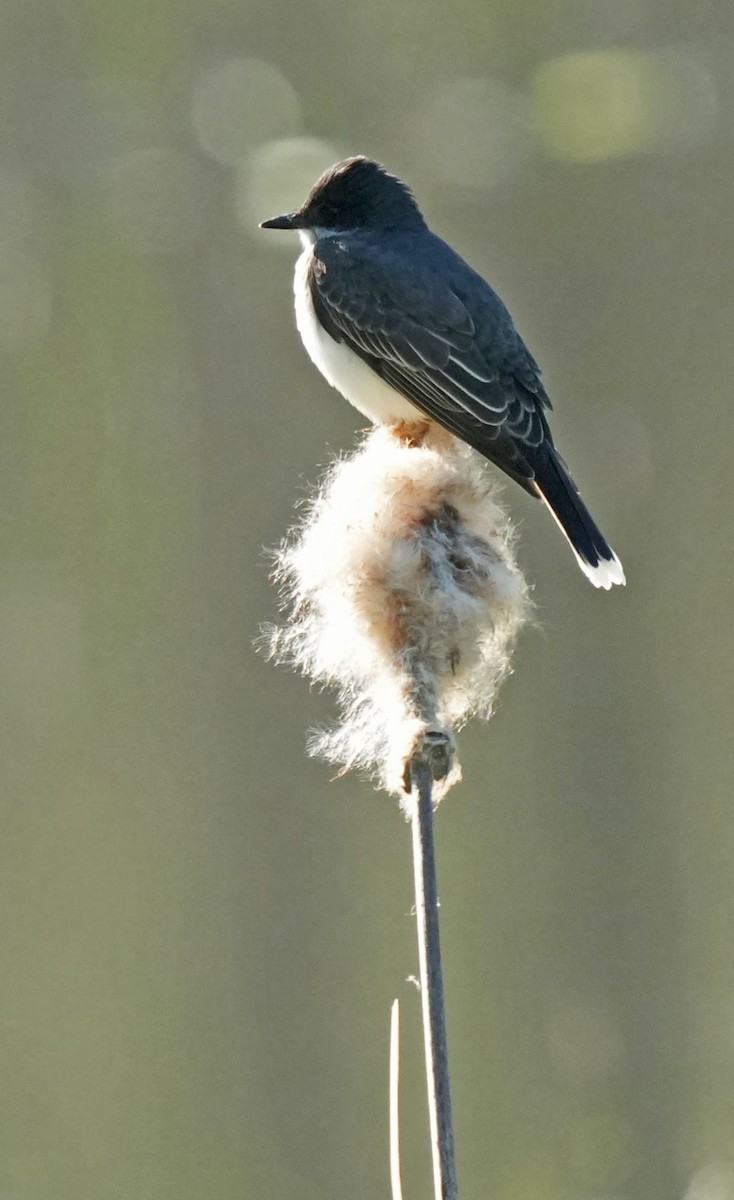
(402, 592)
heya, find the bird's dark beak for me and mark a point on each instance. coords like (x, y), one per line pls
(287, 221)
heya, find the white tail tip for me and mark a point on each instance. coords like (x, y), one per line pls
(605, 574)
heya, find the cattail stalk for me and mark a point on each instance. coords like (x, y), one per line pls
(431, 979)
(403, 594)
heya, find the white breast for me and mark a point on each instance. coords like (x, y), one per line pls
(344, 369)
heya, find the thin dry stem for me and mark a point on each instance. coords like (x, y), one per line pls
(395, 1185)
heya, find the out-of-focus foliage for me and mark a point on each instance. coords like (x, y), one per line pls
(201, 933)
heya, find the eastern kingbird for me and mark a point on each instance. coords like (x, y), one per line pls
(405, 329)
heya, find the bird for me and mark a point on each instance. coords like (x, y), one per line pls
(407, 331)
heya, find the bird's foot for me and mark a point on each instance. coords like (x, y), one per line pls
(412, 433)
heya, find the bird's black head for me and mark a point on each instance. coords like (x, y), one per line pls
(355, 194)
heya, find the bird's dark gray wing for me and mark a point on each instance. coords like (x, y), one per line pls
(438, 334)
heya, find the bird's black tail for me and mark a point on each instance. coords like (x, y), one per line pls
(595, 556)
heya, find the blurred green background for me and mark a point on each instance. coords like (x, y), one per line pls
(201, 933)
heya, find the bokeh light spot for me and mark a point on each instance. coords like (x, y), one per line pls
(277, 177)
(594, 106)
(715, 1181)
(240, 103)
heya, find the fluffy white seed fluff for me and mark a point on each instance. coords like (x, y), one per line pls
(403, 594)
